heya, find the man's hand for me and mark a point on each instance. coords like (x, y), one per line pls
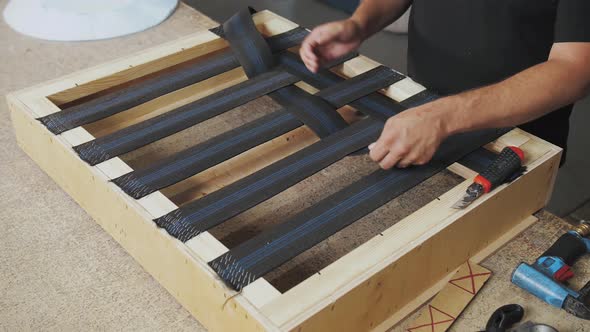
(410, 138)
(330, 41)
(333, 40)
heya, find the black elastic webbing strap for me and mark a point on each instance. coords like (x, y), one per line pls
(420, 98)
(375, 104)
(316, 113)
(219, 30)
(255, 56)
(146, 90)
(378, 105)
(227, 145)
(371, 81)
(166, 124)
(207, 154)
(136, 94)
(286, 40)
(200, 215)
(278, 42)
(247, 43)
(259, 255)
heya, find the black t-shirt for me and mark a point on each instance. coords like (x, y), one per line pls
(455, 45)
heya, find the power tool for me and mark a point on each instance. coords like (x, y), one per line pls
(547, 276)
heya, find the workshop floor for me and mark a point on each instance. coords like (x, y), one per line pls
(61, 272)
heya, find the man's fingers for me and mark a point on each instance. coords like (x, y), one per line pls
(311, 49)
(308, 53)
(307, 59)
(311, 59)
(378, 151)
(310, 62)
(416, 158)
(390, 160)
(406, 162)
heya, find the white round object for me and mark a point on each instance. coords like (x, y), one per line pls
(75, 20)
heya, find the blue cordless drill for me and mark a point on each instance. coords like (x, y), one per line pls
(546, 277)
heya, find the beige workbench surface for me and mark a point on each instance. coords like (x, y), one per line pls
(60, 271)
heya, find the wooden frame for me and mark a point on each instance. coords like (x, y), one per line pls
(370, 288)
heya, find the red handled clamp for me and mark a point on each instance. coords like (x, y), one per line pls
(506, 167)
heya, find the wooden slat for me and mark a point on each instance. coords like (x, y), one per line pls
(207, 247)
(167, 259)
(142, 63)
(166, 103)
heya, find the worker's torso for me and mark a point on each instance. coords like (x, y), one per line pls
(456, 45)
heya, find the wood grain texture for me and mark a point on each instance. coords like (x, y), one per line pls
(167, 259)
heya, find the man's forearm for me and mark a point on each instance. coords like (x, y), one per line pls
(412, 137)
(373, 15)
(519, 99)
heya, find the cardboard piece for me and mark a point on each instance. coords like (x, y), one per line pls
(447, 305)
